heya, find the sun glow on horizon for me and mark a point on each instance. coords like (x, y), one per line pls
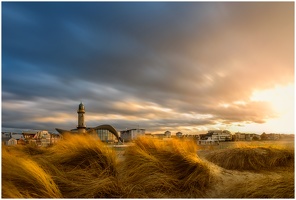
(280, 97)
(282, 100)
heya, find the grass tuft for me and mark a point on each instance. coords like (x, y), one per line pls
(266, 186)
(164, 168)
(251, 158)
(84, 167)
(24, 178)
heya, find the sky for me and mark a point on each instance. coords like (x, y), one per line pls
(189, 67)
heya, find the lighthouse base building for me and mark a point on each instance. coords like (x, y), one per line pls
(105, 132)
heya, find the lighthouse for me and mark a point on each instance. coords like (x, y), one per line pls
(81, 125)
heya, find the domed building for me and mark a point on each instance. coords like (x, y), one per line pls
(105, 132)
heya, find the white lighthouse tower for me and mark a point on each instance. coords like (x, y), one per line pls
(81, 125)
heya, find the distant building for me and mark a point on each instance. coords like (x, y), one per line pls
(179, 134)
(290, 137)
(131, 134)
(220, 135)
(11, 141)
(6, 135)
(7, 139)
(246, 136)
(10, 138)
(208, 141)
(40, 137)
(166, 134)
(273, 136)
(217, 135)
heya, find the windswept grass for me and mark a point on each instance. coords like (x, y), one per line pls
(32, 150)
(83, 151)
(265, 186)
(265, 144)
(24, 178)
(84, 167)
(80, 166)
(156, 168)
(252, 158)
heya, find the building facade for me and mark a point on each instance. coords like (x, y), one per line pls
(10, 138)
(167, 134)
(246, 136)
(179, 134)
(221, 136)
(131, 134)
(106, 136)
(217, 135)
(40, 137)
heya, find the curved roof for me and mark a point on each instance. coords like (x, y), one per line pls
(109, 128)
(62, 131)
(104, 126)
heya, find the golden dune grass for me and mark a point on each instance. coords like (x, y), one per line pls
(265, 144)
(251, 158)
(264, 186)
(24, 178)
(84, 167)
(154, 168)
(80, 166)
(83, 151)
(32, 150)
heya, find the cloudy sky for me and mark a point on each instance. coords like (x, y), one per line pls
(187, 67)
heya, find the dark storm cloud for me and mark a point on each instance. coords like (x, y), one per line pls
(188, 57)
(67, 40)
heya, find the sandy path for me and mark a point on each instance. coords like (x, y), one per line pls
(230, 183)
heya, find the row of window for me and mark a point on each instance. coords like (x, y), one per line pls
(105, 135)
